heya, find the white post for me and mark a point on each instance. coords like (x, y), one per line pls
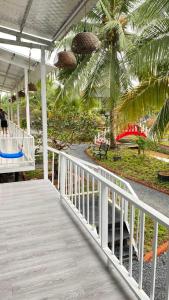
(104, 215)
(62, 175)
(18, 109)
(44, 113)
(27, 102)
(11, 108)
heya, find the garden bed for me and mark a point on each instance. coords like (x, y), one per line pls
(139, 168)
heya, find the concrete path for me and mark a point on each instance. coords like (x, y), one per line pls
(157, 200)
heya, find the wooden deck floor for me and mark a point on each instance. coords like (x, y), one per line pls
(43, 254)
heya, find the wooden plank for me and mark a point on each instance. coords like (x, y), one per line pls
(43, 254)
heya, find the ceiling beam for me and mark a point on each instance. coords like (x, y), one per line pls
(26, 13)
(25, 36)
(23, 44)
(11, 76)
(16, 63)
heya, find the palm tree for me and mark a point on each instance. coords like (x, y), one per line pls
(104, 73)
(148, 60)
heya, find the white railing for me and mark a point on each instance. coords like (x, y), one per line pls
(93, 198)
(16, 139)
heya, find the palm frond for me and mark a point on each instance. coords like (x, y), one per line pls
(149, 10)
(146, 58)
(149, 95)
(161, 122)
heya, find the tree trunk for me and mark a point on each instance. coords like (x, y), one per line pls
(114, 92)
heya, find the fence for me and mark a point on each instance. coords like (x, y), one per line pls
(100, 204)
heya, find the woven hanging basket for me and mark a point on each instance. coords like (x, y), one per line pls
(66, 59)
(85, 43)
(21, 94)
(32, 87)
(13, 98)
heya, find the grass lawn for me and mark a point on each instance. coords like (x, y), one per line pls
(141, 168)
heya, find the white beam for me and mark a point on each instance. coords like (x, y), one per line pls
(25, 36)
(44, 113)
(27, 102)
(15, 62)
(23, 44)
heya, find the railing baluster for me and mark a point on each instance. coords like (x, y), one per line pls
(154, 262)
(59, 172)
(66, 190)
(121, 231)
(141, 250)
(83, 200)
(75, 185)
(93, 201)
(131, 239)
(88, 198)
(71, 182)
(79, 178)
(53, 163)
(113, 220)
(62, 175)
(104, 215)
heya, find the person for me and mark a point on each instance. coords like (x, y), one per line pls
(4, 123)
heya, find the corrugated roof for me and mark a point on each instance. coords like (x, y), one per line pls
(46, 20)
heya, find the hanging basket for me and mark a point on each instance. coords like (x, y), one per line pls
(13, 98)
(66, 59)
(32, 87)
(21, 94)
(85, 43)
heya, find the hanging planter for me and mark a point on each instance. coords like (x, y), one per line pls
(13, 98)
(85, 43)
(32, 87)
(66, 59)
(21, 94)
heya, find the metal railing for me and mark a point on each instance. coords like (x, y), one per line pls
(16, 140)
(94, 198)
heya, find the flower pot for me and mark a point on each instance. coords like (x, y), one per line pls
(163, 176)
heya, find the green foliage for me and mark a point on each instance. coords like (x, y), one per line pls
(70, 125)
(141, 142)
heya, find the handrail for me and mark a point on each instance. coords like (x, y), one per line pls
(137, 202)
(79, 186)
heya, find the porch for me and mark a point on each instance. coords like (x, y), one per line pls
(45, 254)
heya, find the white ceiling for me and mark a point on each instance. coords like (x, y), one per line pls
(33, 21)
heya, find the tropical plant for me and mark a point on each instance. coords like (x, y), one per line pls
(148, 61)
(103, 74)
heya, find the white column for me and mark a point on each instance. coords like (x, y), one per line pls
(18, 108)
(44, 114)
(11, 107)
(27, 102)
(8, 103)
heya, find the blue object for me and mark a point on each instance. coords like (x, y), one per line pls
(12, 155)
